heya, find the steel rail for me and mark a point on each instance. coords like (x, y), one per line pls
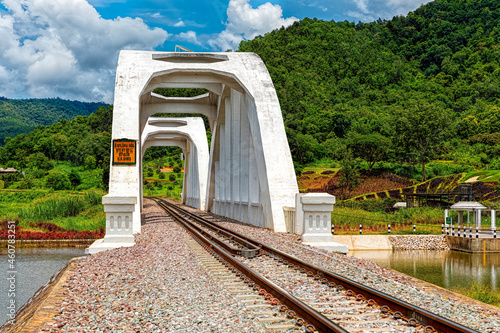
(302, 310)
(249, 249)
(228, 247)
(424, 317)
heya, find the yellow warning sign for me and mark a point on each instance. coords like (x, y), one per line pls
(124, 151)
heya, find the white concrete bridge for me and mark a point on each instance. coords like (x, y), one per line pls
(247, 174)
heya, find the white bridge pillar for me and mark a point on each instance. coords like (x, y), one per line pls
(317, 214)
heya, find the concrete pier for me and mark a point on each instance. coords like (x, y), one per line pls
(467, 244)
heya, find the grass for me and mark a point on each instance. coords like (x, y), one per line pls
(490, 176)
(79, 212)
(481, 293)
(165, 192)
(427, 221)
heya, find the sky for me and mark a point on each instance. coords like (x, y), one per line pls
(69, 48)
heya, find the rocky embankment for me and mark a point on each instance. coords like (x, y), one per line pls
(419, 242)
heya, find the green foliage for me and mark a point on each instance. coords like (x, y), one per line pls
(171, 177)
(90, 162)
(338, 80)
(58, 180)
(161, 175)
(150, 173)
(177, 169)
(23, 115)
(371, 147)
(350, 173)
(481, 293)
(52, 207)
(74, 178)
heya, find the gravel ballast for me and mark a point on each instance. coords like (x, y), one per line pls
(158, 286)
(155, 286)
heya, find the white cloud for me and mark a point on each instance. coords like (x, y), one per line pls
(362, 5)
(370, 10)
(189, 36)
(65, 48)
(180, 24)
(245, 22)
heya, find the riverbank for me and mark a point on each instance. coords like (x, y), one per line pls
(26, 243)
(388, 242)
(38, 311)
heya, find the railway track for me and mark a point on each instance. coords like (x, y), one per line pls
(313, 298)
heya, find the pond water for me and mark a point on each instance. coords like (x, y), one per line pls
(448, 269)
(33, 267)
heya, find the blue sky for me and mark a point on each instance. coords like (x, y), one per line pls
(69, 48)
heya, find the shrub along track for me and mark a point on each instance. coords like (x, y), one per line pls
(315, 298)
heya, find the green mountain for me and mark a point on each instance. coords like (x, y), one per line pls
(384, 95)
(419, 87)
(23, 115)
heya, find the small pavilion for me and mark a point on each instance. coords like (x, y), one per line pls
(470, 206)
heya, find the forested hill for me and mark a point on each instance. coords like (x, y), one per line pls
(23, 115)
(424, 85)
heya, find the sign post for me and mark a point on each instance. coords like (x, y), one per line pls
(124, 152)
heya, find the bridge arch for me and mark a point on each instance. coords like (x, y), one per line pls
(188, 134)
(250, 175)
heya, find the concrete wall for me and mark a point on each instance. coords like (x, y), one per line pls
(467, 244)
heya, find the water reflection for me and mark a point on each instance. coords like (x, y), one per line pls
(448, 269)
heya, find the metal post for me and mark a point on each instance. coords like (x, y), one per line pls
(389, 228)
(458, 231)
(493, 223)
(452, 230)
(414, 228)
(360, 229)
(442, 228)
(333, 228)
(477, 232)
(470, 232)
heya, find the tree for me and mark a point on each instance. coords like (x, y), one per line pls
(372, 147)
(171, 177)
(58, 180)
(177, 169)
(39, 161)
(419, 128)
(350, 173)
(90, 162)
(74, 178)
(161, 175)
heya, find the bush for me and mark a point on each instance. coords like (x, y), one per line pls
(150, 172)
(157, 171)
(177, 169)
(90, 162)
(58, 180)
(171, 177)
(161, 175)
